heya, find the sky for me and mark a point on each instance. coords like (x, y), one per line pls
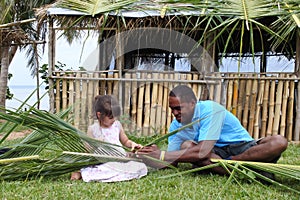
(77, 54)
(65, 53)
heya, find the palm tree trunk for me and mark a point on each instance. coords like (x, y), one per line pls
(4, 75)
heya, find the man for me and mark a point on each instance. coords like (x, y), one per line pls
(215, 133)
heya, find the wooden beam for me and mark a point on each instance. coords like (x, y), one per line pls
(51, 63)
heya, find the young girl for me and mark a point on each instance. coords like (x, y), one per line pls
(108, 129)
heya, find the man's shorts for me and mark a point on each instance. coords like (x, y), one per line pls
(233, 149)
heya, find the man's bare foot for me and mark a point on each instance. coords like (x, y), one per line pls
(75, 176)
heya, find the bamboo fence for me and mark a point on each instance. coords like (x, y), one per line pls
(264, 103)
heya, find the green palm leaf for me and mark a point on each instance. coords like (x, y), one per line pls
(93, 7)
(54, 147)
(249, 169)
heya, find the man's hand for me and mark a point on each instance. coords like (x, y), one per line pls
(151, 151)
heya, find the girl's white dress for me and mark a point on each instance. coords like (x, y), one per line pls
(112, 171)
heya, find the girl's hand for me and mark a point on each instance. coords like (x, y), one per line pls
(135, 146)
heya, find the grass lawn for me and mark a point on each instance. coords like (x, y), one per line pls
(188, 186)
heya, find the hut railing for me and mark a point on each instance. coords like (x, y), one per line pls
(264, 103)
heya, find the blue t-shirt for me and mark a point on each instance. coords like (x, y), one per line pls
(216, 123)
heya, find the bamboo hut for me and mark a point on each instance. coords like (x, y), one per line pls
(156, 46)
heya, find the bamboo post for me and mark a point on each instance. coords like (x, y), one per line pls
(264, 117)
(188, 77)
(277, 115)
(165, 103)
(110, 83)
(290, 117)
(83, 109)
(211, 91)
(71, 91)
(271, 108)
(218, 89)
(284, 108)
(96, 92)
(252, 106)
(96, 84)
(90, 97)
(154, 97)
(77, 101)
(194, 85)
(147, 106)
(64, 93)
(246, 105)
(127, 94)
(235, 95)
(134, 102)
(140, 105)
(102, 84)
(229, 94)
(258, 107)
(159, 109)
(297, 122)
(116, 85)
(169, 114)
(241, 99)
(57, 93)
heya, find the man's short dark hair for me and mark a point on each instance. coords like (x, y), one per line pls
(184, 93)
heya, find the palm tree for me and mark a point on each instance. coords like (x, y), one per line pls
(17, 30)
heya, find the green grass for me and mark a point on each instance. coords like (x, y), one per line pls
(189, 186)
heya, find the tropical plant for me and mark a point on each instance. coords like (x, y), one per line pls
(18, 30)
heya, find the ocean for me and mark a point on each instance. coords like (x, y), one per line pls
(22, 92)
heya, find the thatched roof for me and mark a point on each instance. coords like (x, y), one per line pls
(213, 19)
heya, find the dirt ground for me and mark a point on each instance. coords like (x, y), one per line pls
(15, 135)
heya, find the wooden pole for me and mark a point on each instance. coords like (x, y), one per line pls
(159, 109)
(134, 102)
(77, 101)
(51, 63)
(165, 107)
(284, 108)
(275, 130)
(147, 108)
(297, 122)
(140, 105)
(258, 108)
(90, 97)
(83, 103)
(218, 90)
(154, 97)
(57, 93)
(64, 93)
(252, 107)
(235, 95)
(71, 93)
(241, 99)
(229, 94)
(290, 117)
(271, 108)
(127, 94)
(264, 117)
(246, 105)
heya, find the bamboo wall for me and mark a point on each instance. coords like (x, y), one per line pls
(264, 103)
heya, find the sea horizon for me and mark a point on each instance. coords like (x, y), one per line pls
(22, 92)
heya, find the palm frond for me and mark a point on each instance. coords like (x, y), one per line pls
(251, 171)
(60, 147)
(93, 7)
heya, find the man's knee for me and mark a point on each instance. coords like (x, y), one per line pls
(280, 142)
